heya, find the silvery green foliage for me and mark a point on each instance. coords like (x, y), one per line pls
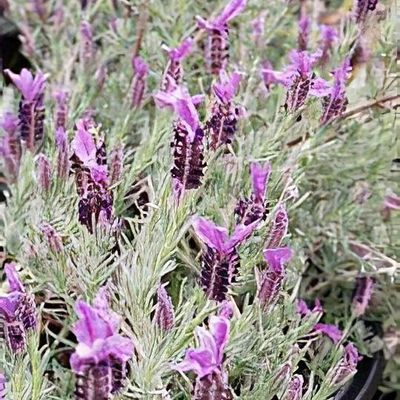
(331, 179)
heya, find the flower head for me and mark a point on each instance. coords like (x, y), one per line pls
(251, 209)
(101, 350)
(304, 32)
(219, 259)
(31, 87)
(279, 227)
(141, 70)
(164, 315)
(294, 390)
(269, 282)
(227, 86)
(347, 366)
(208, 357)
(181, 51)
(329, 36)
(17, 311)
(44, 172)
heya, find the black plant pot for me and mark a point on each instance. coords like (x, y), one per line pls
(364, 385)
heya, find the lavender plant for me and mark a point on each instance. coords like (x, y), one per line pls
(243, 264)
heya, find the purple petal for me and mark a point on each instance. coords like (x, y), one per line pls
(219, 328)
(90, 325)
(13, 279)
(276, 258)
(302, 308)
(211, 234)
(332, 331)
(200, 361)
(240, 234)
(351, 354)
(231, 10)
(392, 201)
(29, 86)
(329, 34)
(259, 178)
(226, 88)
(182, 50)
(284, 78)
(83, 144)
(207, 342)
(10, 304)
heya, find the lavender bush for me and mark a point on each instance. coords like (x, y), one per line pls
(201, 200)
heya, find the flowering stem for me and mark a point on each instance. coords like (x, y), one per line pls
(36, 372)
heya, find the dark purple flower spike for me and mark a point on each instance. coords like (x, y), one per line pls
(253, 209)
(140, 70)
(117, 163)
(173, 73)
(100, 358)
(299, 79)
(347, 366)
(17, 311)
(217, 50)
(207, 361)
(96, 200)
(187, 145)
(220, 259)
(335, 102)
(221, 127)
(362, 8)
(31, 106)
(269, 282)
(279, 228)
(362, 295)
(164, 315)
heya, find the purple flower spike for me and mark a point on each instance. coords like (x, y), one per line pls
(173, 73)
(362, 8)
(304, 32)
(294, 390)
(62, 154)
(335, 103)
(87, 45)
(141, 70)
(31, 107)
(329, 36)
(10, 147)
(164, 315)
(3, 389)
(100, 358)
(52, 237)
(269, 282)
(61, 97)
(362, 295)
(44, 172)
(221, 127)
(332, 331)
(17, 311)
(117, 163)
(187, 144)
(217, 50)
(220, 260)
(279, 228)
(347, 367)
(206, 360)
(253, 209)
